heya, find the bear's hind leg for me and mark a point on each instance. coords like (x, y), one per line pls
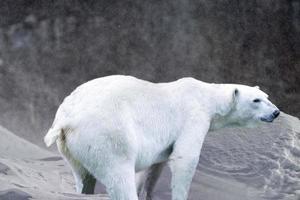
(119, 182)
(84, 180)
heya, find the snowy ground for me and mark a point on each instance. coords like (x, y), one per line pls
(235, 164)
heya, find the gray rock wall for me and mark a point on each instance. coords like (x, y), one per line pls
(47, 48)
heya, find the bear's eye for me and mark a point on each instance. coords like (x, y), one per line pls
(256, 100)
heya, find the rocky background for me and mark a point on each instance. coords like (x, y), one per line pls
(47, 48)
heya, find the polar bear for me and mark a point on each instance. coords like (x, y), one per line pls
(121, 130)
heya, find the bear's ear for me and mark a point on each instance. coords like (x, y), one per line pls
(235, 94)
(257, 87)
(230, 104)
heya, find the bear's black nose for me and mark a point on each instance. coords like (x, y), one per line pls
(276, 113)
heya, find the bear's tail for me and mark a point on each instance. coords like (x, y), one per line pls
(52, 135)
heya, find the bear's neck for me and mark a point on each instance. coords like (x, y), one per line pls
(218, 122)
(216, 100)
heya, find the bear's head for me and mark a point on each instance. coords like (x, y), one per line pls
(246, 106)
(250, 105)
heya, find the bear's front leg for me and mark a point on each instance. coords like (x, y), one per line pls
(184, 159)
(183, 170)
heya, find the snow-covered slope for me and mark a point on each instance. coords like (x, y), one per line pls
(30, 172)
(235, 164)
(249, 164)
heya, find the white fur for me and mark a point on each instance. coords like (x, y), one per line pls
(117, 126)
